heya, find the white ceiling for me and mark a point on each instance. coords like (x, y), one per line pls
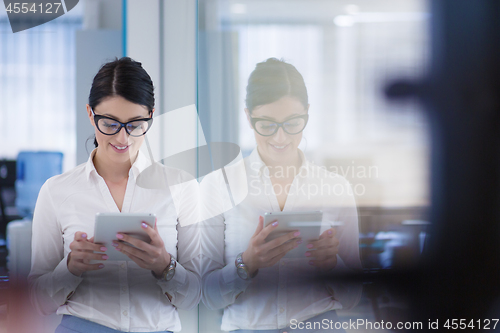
(317, 11)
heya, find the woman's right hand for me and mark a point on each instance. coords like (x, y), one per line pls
(82, 251)
(261, 254)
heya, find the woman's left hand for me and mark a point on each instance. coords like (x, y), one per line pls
(152, 256)
(324, 250)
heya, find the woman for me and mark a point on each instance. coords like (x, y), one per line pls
(259, 288)
(130, 296)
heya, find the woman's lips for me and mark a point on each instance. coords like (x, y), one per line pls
(279, 148)
(120, 149)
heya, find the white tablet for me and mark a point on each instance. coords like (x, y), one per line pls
(307, 222)
(107, 225)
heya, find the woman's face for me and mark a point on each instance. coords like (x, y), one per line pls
(281, 147)
(120, 147)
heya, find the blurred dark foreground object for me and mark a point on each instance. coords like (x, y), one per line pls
(459, 276)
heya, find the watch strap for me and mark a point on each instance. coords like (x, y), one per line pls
(169, 272)
(242, 269)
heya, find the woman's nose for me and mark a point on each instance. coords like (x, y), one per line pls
(280, 135)
(122, 136)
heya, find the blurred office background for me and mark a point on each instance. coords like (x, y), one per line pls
(202, 52)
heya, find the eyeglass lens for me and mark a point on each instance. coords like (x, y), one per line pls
(292, 126)
(134, 128)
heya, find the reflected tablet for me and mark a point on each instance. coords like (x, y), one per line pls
(307, 222)
(107, 225)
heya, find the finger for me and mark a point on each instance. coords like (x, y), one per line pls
(86, 246)
(152, 233)
(80, 236)
(88, 267)
(80, 255)
(322, 254)
(328, 263)
(91, 240)
(260, 226)
(265, 231)
(323, 243)
(281, 240)
(280, 252)
(328, 233)
(284, 248)
(133, 252)
(275, 259)
(137, 260)
(135, 242)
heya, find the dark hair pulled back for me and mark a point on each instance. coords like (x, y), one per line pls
(122, 77)
(272, 80)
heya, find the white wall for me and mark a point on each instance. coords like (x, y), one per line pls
(162, 36)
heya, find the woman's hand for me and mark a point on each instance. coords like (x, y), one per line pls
(152, 256)
(82, 251)
(324, 250)
(261, 254)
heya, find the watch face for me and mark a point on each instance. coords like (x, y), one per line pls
(170, 274)
(242, 273)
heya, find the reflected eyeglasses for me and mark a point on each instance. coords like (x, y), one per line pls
(110, 126)
(266, 127)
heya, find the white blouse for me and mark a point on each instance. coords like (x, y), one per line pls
(286, 290)
(121, 295)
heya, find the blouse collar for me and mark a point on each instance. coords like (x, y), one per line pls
(141, 163)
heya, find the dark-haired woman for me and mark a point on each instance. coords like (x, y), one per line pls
(259, 288)
(140, 295)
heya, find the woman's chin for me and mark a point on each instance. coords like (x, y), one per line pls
(283, 157)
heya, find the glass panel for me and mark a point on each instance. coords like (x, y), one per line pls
(363, 148)
(39, 63)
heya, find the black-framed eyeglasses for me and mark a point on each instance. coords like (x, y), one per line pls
(110, 126)
(266, 127)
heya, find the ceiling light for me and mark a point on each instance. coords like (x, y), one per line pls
(343, 20)
(238, 8)
(351, 9)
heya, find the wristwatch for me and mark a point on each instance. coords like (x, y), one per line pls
(169, 272)
(242, 269)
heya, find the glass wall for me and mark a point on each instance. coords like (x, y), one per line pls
(347, 53)
(37, 87)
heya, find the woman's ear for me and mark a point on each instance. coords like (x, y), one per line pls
(89, 113)
(307, 109)
(152, 111)
(247, 112)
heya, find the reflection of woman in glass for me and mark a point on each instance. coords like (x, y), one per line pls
(140, 295)
(258, 288)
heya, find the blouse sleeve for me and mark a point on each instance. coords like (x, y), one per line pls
(184, 290)
(221, 285)
(348, 259)
(51, 283)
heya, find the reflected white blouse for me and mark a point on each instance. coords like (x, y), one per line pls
(286, 290)
(122, 295)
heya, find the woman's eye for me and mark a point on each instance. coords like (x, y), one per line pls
(111, 125)
(267, 126)
(133, 126)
